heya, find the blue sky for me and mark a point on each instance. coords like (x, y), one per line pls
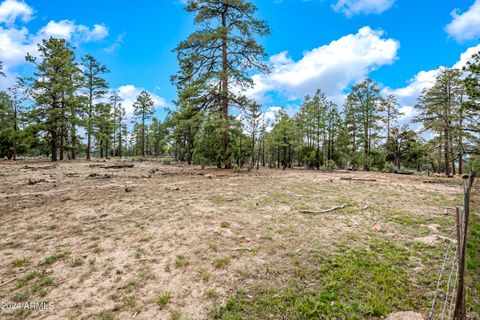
(327, 44)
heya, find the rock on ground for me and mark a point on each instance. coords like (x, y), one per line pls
(408, 315)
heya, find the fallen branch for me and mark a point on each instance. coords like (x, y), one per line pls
(8, 281)
(358, 179)
(35, 181)
(404, 172)
(113, 166)
(324, 211)
(52, 166)
(99, 176)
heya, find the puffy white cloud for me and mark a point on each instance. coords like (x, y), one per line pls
(354, 7)
(16, 40)
(11, 10)
(465, 26)
(332, 67)
(69, 30)
(408, 95)
(466, 56)
(129, 94)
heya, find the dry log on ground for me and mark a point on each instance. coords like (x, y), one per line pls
(99, 176)
(35, 181)
(324, 211)
(113, 166)
(8, 281)
(404, 172)
(358, 179)
(35, 168)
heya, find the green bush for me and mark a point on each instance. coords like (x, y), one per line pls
(390, 167)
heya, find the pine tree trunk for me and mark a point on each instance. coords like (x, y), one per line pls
(224, 87)
(447, 153)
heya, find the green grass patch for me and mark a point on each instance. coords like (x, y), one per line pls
(221, 262)
(360, 283)
(163, 299)
(473, 267)
(53, 258)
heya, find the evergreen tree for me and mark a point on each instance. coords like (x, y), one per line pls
(53, 83)
(95, 88)
(364, 109)
(220, 55)
(389, 106)
(439, 111)
(143, 109)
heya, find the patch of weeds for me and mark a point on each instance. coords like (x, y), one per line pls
(139, 252)
(53, 258)
(163, 299)
(76, 262)
(21, 262)
(360, 283)
(97, 248)
(34, 282)
(176, 315)
(213, 246)
(105, 315)
(204, 274)
(52, 227)
(221, 262)
(181, 262)
(129, 301)
(473, 267)
(218, 199)
(224, 225)
(212, 294)
(21, 295)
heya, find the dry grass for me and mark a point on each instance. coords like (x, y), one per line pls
(182, 242)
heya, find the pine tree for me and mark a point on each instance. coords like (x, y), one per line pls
(439, 110)
(95, 88)
(364, 100)
(53, 82)
(115, 101)
(220, 55)
(143, 109)
(389, 106)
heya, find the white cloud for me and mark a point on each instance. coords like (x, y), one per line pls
(11, 10)
(466, 56)
(407, 96)
(332, 67)
(68, 30)
(129, 94)
(465, 26)
(16, 40)
(118, 42)
(354, 7)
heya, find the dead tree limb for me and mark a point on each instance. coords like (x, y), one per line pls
(113, 166)
(8, 281)
(358, 179)
(324, 211)
(35, 168)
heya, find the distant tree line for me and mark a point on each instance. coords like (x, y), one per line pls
(66, 110)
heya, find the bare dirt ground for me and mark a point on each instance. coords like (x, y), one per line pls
(170, 242)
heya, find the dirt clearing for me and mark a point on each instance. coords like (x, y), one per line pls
(167, 242)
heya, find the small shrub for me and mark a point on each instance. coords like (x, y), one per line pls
(389, 167)
(163, 299)
(181, 262)
(21, 262)
(221, 262)
(167, 162)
